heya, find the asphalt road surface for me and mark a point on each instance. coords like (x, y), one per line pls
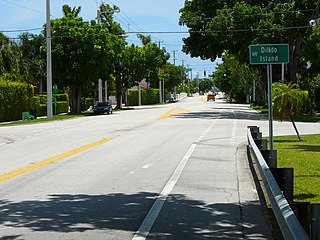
(175, 171)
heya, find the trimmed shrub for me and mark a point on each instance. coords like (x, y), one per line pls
(40, 104)
(15, 98)
(150, 96)
(60, 98)
(62, 107)
(42, 110)
(86, 103)
(153, 96)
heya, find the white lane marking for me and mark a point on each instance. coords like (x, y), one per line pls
(148, 222)
(147, 166)
(154, 212)
(233, 134)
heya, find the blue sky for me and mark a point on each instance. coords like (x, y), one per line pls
(134, 16)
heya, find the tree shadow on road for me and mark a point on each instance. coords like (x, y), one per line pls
(181, 218)
(225, 113)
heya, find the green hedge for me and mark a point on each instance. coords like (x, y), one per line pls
(60, 98)
(150, 96)
(40, 104)
(62, 107)
(86, 103)
(317, 99)
(15, 98)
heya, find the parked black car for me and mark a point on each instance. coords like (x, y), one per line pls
(102, 107)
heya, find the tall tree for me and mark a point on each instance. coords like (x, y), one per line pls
(156, 58)
(134, 64)
(236, 78)
(9, 55)
(82, 53)
(173, 76)
(33, 61)
(106, 16)
(216, 26)
(131, 70)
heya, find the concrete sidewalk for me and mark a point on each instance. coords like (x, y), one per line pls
(255, 219)
(215, 198)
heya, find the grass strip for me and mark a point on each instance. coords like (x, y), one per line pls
(304, 157)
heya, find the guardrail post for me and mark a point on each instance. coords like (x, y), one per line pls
(255, 132)
(270, 156)
(302, 212)
(262, 144)
(315, 221)
(284, 179)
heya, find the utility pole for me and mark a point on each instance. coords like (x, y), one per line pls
(198, 83)
(106, 90)
(100, 89)
(98, 16)
(182, 74)
(174, 57)
(100, 81)
(49, 63)
(160, 84)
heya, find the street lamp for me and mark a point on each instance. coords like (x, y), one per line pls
(49, 64)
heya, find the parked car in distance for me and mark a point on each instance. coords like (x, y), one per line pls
(211, 96)
(102, 107)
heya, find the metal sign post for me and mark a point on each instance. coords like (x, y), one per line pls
(270, 110)
(269, 54)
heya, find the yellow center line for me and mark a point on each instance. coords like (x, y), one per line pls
(48, 161)
(174, 112)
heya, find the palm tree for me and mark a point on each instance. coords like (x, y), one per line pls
(288, 101)
(74, 11)
(144, 39)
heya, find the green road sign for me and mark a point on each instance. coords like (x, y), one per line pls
(269, 53)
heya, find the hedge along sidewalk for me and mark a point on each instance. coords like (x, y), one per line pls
(304, 157)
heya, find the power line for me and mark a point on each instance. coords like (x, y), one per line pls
(182, 32)
(220, 31)
(130, 22)
(21, 6)
(21, 30)
(253, 15)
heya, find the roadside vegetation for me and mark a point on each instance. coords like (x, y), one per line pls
(228, 28)
(217, 29)
(108, 56)
(304, 157)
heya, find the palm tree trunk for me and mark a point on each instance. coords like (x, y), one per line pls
(295, 128)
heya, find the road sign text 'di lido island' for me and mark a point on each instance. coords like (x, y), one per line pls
(269, 53)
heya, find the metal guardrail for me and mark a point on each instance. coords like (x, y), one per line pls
(287, 221)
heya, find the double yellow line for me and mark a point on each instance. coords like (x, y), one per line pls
(174, 112)
(31, 167)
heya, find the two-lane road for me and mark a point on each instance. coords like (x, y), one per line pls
(159, 172)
